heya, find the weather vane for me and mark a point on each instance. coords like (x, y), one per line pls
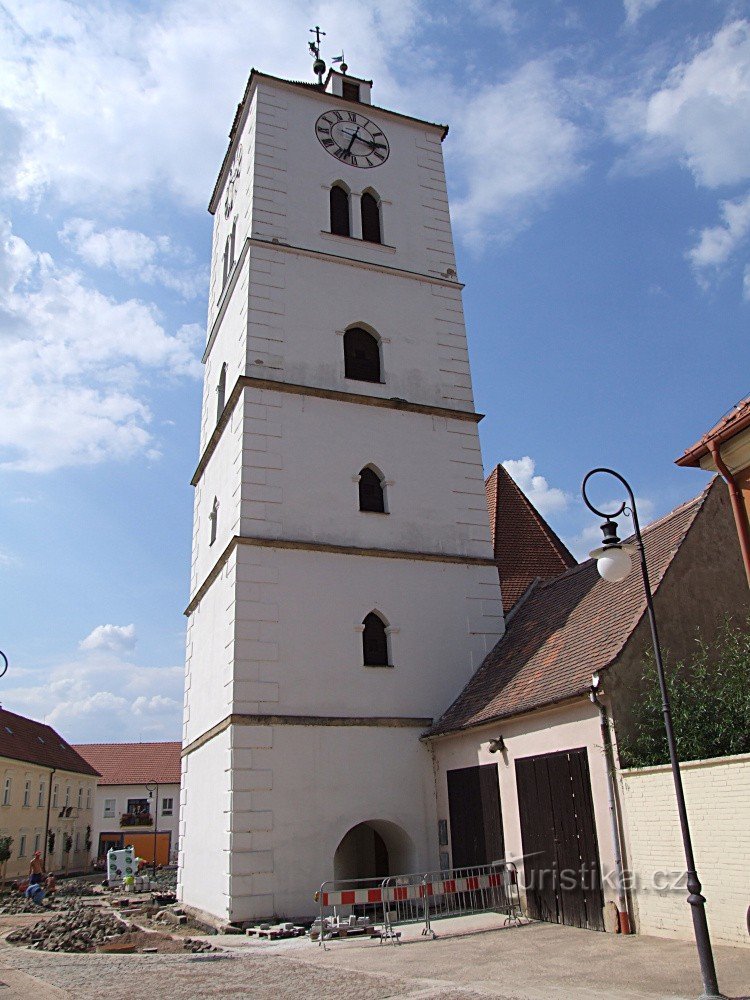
(319, 67)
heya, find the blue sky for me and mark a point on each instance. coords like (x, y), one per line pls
(599, 170)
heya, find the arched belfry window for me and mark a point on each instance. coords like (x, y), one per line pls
(370, 218)
(221, 391)
(340, 211)
(371, 492)
(374, 641)
(361, 355)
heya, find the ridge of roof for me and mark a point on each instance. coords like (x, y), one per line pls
(565, 630)
(735, 420)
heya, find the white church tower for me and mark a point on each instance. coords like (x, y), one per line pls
(342, 587)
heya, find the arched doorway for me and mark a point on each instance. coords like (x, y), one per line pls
(373, 849)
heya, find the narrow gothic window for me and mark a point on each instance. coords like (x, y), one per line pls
(213, 517)
(339, 211)
(374, 641)
(232, 237)
(225, 272)
(371, 495)
(361, 355)
(370, 218)
(221, 392)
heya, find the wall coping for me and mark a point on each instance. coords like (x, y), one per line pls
(739, 758)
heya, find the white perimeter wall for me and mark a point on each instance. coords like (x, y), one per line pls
(717, 793)
(567, 728)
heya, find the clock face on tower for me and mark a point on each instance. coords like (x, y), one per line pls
(352, 138)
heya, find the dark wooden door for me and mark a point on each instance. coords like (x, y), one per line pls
(475, 817)
(558, 834)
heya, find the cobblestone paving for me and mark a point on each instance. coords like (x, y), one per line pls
(178, 977)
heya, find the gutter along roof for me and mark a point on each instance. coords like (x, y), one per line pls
(731, 424)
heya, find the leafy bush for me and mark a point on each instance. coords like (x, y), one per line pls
(710, 701)
(6, 843)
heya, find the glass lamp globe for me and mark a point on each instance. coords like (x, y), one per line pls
(613, 563)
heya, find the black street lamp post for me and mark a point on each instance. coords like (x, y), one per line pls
(613, 563)
(151, 787)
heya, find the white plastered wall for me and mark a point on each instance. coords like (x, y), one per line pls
(569, 727)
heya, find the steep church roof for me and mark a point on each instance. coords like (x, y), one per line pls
(565, 630)
(525, 547)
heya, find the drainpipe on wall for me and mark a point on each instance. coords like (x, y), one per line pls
(46, 825)
(622, 905)
(738, 507)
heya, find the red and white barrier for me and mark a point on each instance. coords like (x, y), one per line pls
(399, 893)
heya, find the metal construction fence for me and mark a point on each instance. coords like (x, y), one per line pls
(358, 904)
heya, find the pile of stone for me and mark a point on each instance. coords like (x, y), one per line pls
(81, 886)
(199, 947)
(80, 928)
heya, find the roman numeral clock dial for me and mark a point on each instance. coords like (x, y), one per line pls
(352, 138)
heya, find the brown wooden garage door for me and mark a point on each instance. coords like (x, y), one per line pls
(561, 853)
(476, 821)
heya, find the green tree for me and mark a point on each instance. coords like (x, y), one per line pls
(6, 842)
(710, 699)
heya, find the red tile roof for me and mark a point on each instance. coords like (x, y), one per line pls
(134, 763)
(736, 420)
(525, 546)
(27, 740)
(564, 631)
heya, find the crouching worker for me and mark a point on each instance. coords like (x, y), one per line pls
(35, 893)
(50, 885)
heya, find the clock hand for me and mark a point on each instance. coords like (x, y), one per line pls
(372, 143)
(351, 141)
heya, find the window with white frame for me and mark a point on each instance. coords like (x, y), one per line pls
(109, 808)
(167, 807)
(88, 798)
(54, 796)
(26, 794)
(77, 845)
(40, 797)
(6, 792)
(37, 842)
(67, 795)
(80, 797)
(22, 846)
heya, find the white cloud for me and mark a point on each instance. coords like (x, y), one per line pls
(495, 13)
(635, 8)
(517, 144)
(76, 364)
(100, 697)
(115, 638)
(700, 113)
(717, 243)
(545, 498)
(133, 255)
(115, 100)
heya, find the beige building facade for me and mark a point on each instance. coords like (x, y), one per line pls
(46, 797)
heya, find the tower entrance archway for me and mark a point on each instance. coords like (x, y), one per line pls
(373, 849)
